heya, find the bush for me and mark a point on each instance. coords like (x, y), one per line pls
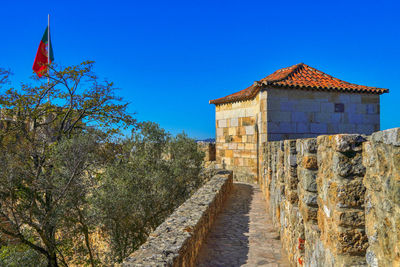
(155, 174)
(21, 255)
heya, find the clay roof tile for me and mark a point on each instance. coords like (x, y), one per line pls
(299, 76)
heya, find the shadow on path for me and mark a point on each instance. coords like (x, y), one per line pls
(228, 242)
(242, 234)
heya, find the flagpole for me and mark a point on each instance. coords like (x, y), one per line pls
(48, 38)
(48, 55)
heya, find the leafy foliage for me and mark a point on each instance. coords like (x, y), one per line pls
(67, 184)
(21, 255)
(49, 140)
(155, 174)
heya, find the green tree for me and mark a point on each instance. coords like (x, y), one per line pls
(154, 174)
(17, 255)
(50, 140)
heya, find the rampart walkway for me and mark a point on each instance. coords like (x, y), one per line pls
(243, 234)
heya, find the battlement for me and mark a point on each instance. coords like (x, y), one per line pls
(335, 198)
(177, 241)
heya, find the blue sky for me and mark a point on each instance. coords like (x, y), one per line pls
(171, 57)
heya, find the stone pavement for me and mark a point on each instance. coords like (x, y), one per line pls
(243, 234)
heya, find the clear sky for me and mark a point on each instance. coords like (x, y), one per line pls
(171, 57)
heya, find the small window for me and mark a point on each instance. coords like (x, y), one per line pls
(339, 107)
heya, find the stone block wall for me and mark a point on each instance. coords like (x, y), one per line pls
(239, 129)
(292, 226)
(341, 199)
(335, 199)
(177, 241)
(275, 183)
(276, 114)
(295, 114)
(307, 170)
(381, 157)
(209, 150)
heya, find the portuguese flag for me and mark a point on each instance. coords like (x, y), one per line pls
(41, 59)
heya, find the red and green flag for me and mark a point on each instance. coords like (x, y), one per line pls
(42, 55)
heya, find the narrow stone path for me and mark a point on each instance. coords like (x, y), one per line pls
(243, 234)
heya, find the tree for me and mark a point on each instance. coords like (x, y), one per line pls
(17, 255)
(49, 154)
(154, 174)
(4, 74)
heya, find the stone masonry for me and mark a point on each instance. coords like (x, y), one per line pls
(208, 148)
(381, 157)
(292, 226)
(279, 114)
(341, 199)
(335, 198)
(177, 241)
(293, 114)
(307, 170)
(239, 126)
(243, 234)
(291, 103)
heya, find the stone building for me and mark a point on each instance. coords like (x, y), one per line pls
(294, 102)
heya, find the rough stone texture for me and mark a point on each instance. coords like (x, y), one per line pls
(333, 200)
(341, 199)
(293, 114)
(240, 129)
(276, 114)
(209, 150)
(381, 156)
(338, 195)
(277, 186)
(278, 182)
(243, 234)
(307, 170)
(292, 226)
(177, 241)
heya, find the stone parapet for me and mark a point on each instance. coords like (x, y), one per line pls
(209, 150)
(177, 241)
(292, 226)
(341, 199)
(276, 186)
(381, 157)
(307, 170)
(335, 200)
(241, 127)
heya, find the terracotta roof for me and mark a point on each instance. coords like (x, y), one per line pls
(300, 76)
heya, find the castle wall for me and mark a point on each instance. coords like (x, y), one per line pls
(209, 150)
(335, 199)
(177, 241)
(240, 128)
(301, 114)
(381, 157)
(279, 114)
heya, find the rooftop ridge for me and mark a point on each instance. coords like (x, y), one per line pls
(296, 68)
(299, 76)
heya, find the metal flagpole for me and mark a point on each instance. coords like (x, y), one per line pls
(48, 55)
(48, 38)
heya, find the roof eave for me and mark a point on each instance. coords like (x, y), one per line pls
(225, 100)
(374, 90)
(231, 99)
